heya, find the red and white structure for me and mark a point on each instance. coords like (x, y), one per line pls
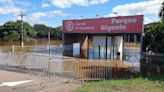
(107, 36)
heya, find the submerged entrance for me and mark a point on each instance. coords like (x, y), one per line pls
(106, 47)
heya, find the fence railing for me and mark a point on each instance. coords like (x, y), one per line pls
(93, 70)
(152, 64)
(55, 65)
(53, 68)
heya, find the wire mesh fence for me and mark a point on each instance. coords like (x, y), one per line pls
(152, 64)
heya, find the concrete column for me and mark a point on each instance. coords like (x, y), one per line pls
(69, 39)
(84, 47)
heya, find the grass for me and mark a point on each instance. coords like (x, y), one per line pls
(154, 84)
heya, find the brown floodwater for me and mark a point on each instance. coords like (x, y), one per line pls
(29, 45)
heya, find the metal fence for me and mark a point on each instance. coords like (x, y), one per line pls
(37, 63)
(152, 64)
(93, 70)
(58, 71)
(23, 62)
(61, 69)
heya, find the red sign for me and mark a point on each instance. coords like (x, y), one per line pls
(121, 24)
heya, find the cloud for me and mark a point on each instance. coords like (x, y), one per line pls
(6, 2)
(45, 5)
(9, 10)
(22, 3)
(70, 3)
(37, 16)
(148, 8)
(8, 7)
(58, 12)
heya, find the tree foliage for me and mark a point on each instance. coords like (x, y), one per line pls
(57, 32)
(154, 37)
(29, 31)
(12, 31)
(42, 30)
(161, 13)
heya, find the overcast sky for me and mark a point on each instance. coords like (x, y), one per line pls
(52, 12)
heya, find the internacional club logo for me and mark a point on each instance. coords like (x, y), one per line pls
(69, 26)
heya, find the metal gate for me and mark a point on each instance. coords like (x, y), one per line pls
(58, 70)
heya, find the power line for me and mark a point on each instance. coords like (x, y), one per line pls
(22, 27)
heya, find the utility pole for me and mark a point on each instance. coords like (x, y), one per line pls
(22, 29)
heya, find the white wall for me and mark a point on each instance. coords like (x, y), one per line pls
(76, 49)
(118, 40)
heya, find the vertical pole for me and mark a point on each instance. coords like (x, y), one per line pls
(141, 41)
(106, 47)
(113, 51)
(22, 44)
(128, 36)
(142, 56)
(22, 30)
(49, 51)
(135, 38)
(99, 52)
(13, 49)
(63, 42)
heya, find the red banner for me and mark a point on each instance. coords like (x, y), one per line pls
(121, 24)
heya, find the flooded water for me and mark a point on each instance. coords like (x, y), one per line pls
(35, 45)
(131, 53)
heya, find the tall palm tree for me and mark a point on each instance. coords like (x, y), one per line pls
(161, 13)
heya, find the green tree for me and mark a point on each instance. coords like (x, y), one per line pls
(42, 30)
(161, 13)
(154, 37)
(29, 30)
(10, 31)
(10, 36)
(57, 32)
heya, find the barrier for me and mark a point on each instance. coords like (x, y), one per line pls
(93, 70)
(53, 69)
(152, 64)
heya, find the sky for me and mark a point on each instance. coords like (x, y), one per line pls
(52, 12)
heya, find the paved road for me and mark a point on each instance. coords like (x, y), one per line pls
(34, 85)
